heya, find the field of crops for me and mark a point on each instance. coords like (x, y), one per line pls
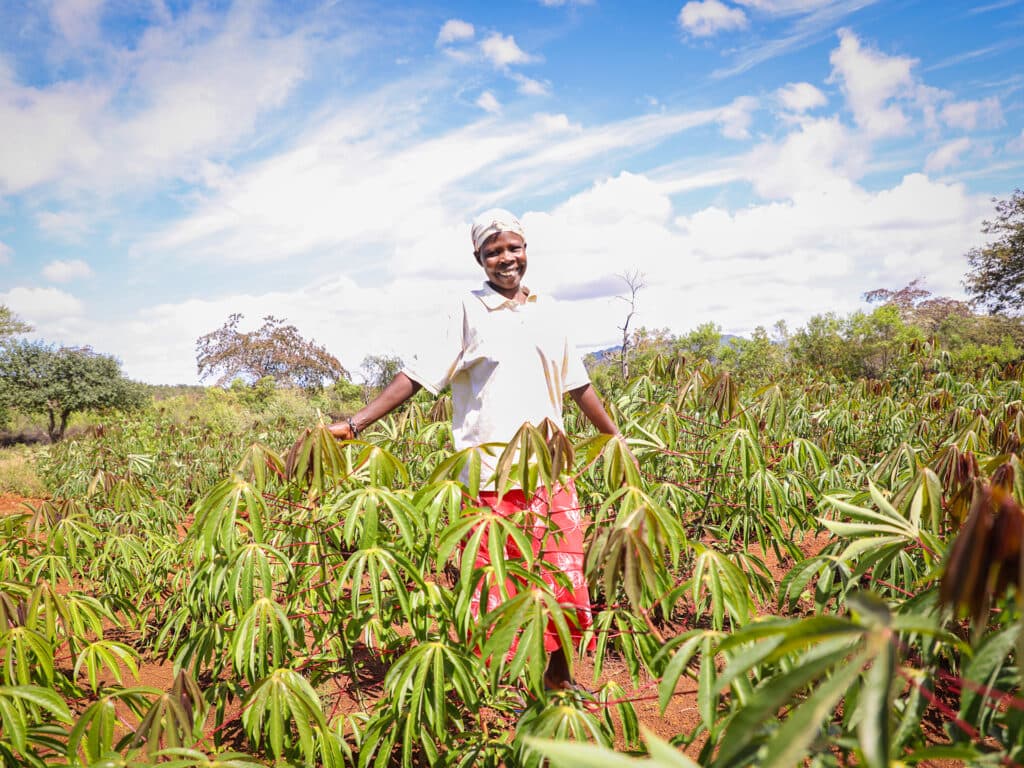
(314, 602)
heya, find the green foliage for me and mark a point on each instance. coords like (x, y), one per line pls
(270, 578)
(378, 370)
(36, 378)
(997, 269)
(10, 325)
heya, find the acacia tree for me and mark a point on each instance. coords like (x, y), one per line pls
(274, 349)
(996, 278)
(38, 378)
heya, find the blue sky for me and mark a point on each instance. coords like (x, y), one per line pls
(164, 165)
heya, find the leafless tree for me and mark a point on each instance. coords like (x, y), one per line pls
(635, 281)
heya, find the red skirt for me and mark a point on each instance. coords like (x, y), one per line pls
(556, 534)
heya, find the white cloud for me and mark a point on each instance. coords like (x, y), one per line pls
(816, 251)
(1017, 144)
(819, 155)
(811, 22)
(455, 30)
(40, 305)
(183, 91)
(968, 115)
(530, 87)
(947, 155)
(489, 103)
(736, 118)
(703, 18)
(77, 20)
(297, 202)
(5, 253)
(59, 271)
(788, 7)
(800, 97)
(63, 225)
(503, 51)
(871, 81)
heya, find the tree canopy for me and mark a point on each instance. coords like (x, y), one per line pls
(10, 325)
(275, 349)
(996, 277)
(377, 371)
(36, 378)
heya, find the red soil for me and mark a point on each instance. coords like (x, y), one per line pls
(341, 697)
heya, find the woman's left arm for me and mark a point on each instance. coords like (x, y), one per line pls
(588, 401)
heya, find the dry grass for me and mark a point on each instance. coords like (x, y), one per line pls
(18, 472)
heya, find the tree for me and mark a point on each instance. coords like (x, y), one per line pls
(702, 343)
(820, 344)
(274, 349)
(757, 359)
(634, 281)
(378, 370)
(56, 382)
(996, 278)
(10, 325)
(970, 337)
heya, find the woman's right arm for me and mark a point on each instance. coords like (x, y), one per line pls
(400, 389)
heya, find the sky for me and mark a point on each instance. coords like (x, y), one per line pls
(166, 164)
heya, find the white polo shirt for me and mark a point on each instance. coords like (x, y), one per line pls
(507, 363)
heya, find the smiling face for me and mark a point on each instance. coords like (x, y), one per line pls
(503, 257)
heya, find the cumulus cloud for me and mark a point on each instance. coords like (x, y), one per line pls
(800, 97)
(812, 252)
(735, 119)
(489, 103)
(502, 51)
(703, 18)
(59, 271)
(947, 155)
(969, 115)
(455, 30)
(40, 305)
(819, 155)
(530, 87)
(871, 82)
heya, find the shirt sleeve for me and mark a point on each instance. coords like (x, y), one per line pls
(434, 364)
(574, 373)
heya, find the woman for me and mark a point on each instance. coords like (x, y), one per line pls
(508, 359)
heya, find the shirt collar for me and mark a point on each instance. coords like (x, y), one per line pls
(494, 300)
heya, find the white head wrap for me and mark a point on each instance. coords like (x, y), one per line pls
(491, 223)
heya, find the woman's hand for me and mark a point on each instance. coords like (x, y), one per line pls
(341, 430)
